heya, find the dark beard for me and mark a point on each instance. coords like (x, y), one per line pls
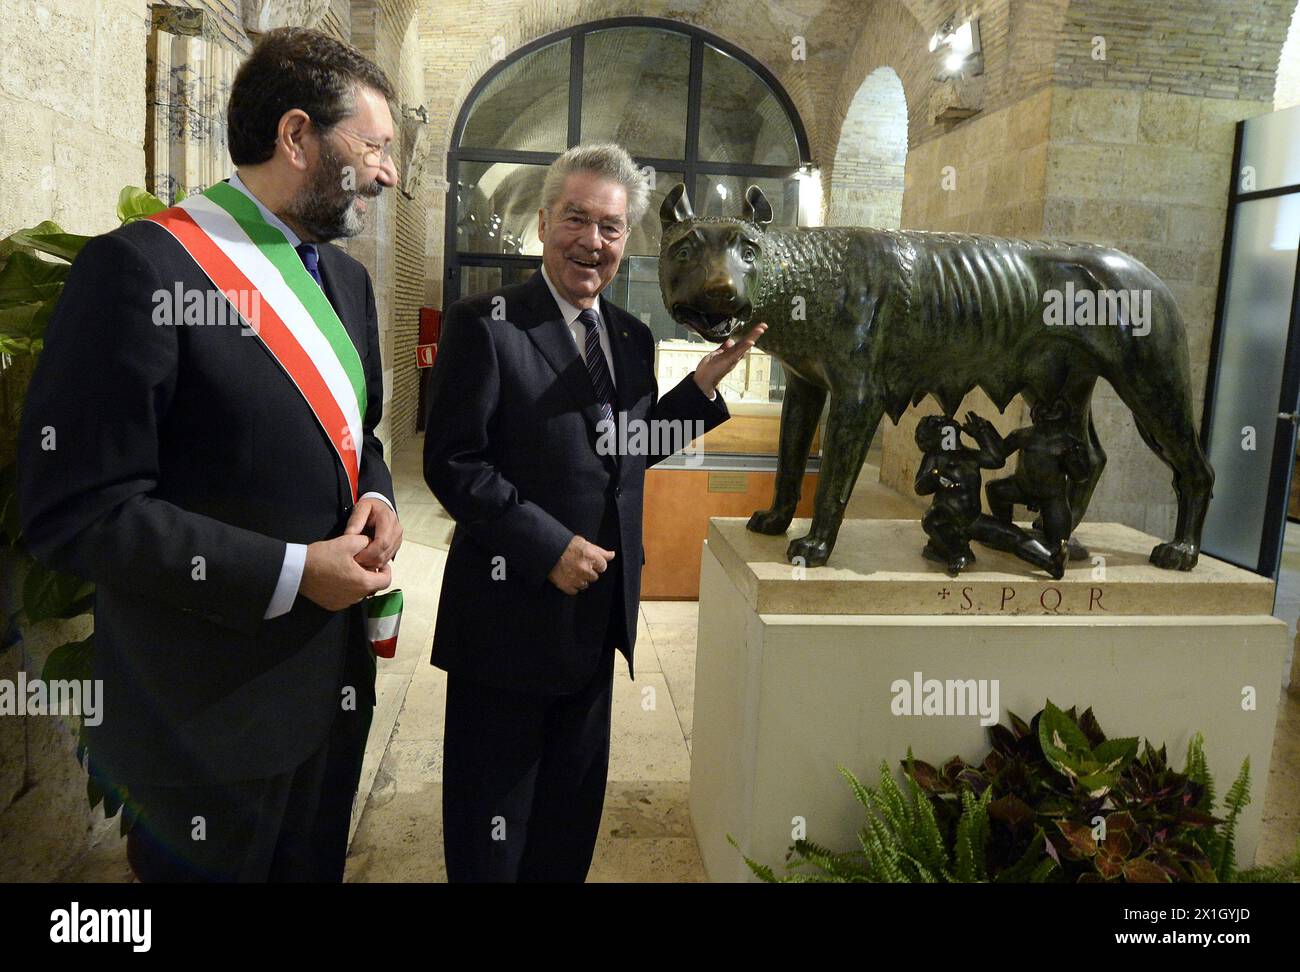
(323, 207)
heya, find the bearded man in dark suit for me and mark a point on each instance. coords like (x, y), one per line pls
(223, 486)
(531, 392)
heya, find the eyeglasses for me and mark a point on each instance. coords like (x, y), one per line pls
(376, 154)
(611, 230)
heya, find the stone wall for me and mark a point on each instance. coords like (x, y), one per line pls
(1212, 48)
(1288, 68)
(379, 30)
(72, 99)
(410, 265)
(867, 178)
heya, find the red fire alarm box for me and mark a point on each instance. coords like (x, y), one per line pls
(430, 325)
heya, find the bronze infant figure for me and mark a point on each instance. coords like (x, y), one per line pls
(876, 319)
(1051, 457)
(951, 473)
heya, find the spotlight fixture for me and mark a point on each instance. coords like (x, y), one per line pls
(962, 54)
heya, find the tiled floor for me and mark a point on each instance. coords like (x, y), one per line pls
(645, 832)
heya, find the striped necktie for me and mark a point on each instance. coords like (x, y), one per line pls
(596, 366)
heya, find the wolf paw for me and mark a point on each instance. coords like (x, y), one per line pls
(770, 522)
(808, 551)
(1175, 556)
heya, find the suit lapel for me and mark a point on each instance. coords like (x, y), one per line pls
(547, 330)
(626, 373)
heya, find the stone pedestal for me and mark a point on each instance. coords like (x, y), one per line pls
(798, 671)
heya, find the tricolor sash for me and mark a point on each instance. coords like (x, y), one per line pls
(383, 619)
(223, 230)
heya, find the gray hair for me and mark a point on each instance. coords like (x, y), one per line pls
(608, 160)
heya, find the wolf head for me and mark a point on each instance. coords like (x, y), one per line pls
(709, 267)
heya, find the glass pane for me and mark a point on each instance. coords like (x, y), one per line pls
(644, 240)
(1256, 318)
(635, 288)
(634, 82)
(724, 196)
(757, 380)
(526, 106)
(740, 119)
(484, 280)
(496, 205)
(1270, 145)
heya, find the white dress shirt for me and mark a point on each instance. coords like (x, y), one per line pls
(579, 330)
(295, 554)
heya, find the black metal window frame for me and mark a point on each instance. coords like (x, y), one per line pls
(1270, 554)
(691, 166)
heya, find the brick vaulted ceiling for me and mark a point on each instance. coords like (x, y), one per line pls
(1027, 44)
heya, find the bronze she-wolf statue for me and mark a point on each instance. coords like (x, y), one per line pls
(879, 318)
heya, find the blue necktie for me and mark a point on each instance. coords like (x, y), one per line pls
(596, 366)
(311, 260)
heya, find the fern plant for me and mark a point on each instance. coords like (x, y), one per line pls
(903, 842)
(1219, 844)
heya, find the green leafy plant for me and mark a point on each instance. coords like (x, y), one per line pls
(1054, 799)
(903, 842)
(1109, 811)
(30, 287)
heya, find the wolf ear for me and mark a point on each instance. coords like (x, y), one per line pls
(676, 206)
(757, 208)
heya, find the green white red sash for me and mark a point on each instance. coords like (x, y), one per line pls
(223, 230)
(383, 619)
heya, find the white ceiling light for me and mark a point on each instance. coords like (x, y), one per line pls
(960, 47)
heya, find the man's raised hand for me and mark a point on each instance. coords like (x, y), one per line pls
(581, 563)
(716, 365)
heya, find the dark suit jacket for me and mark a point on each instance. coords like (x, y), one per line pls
(182, 442)
(510, 449)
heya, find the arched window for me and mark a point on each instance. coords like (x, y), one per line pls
(688, 105)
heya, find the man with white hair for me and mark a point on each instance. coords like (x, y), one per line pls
(544, 571)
